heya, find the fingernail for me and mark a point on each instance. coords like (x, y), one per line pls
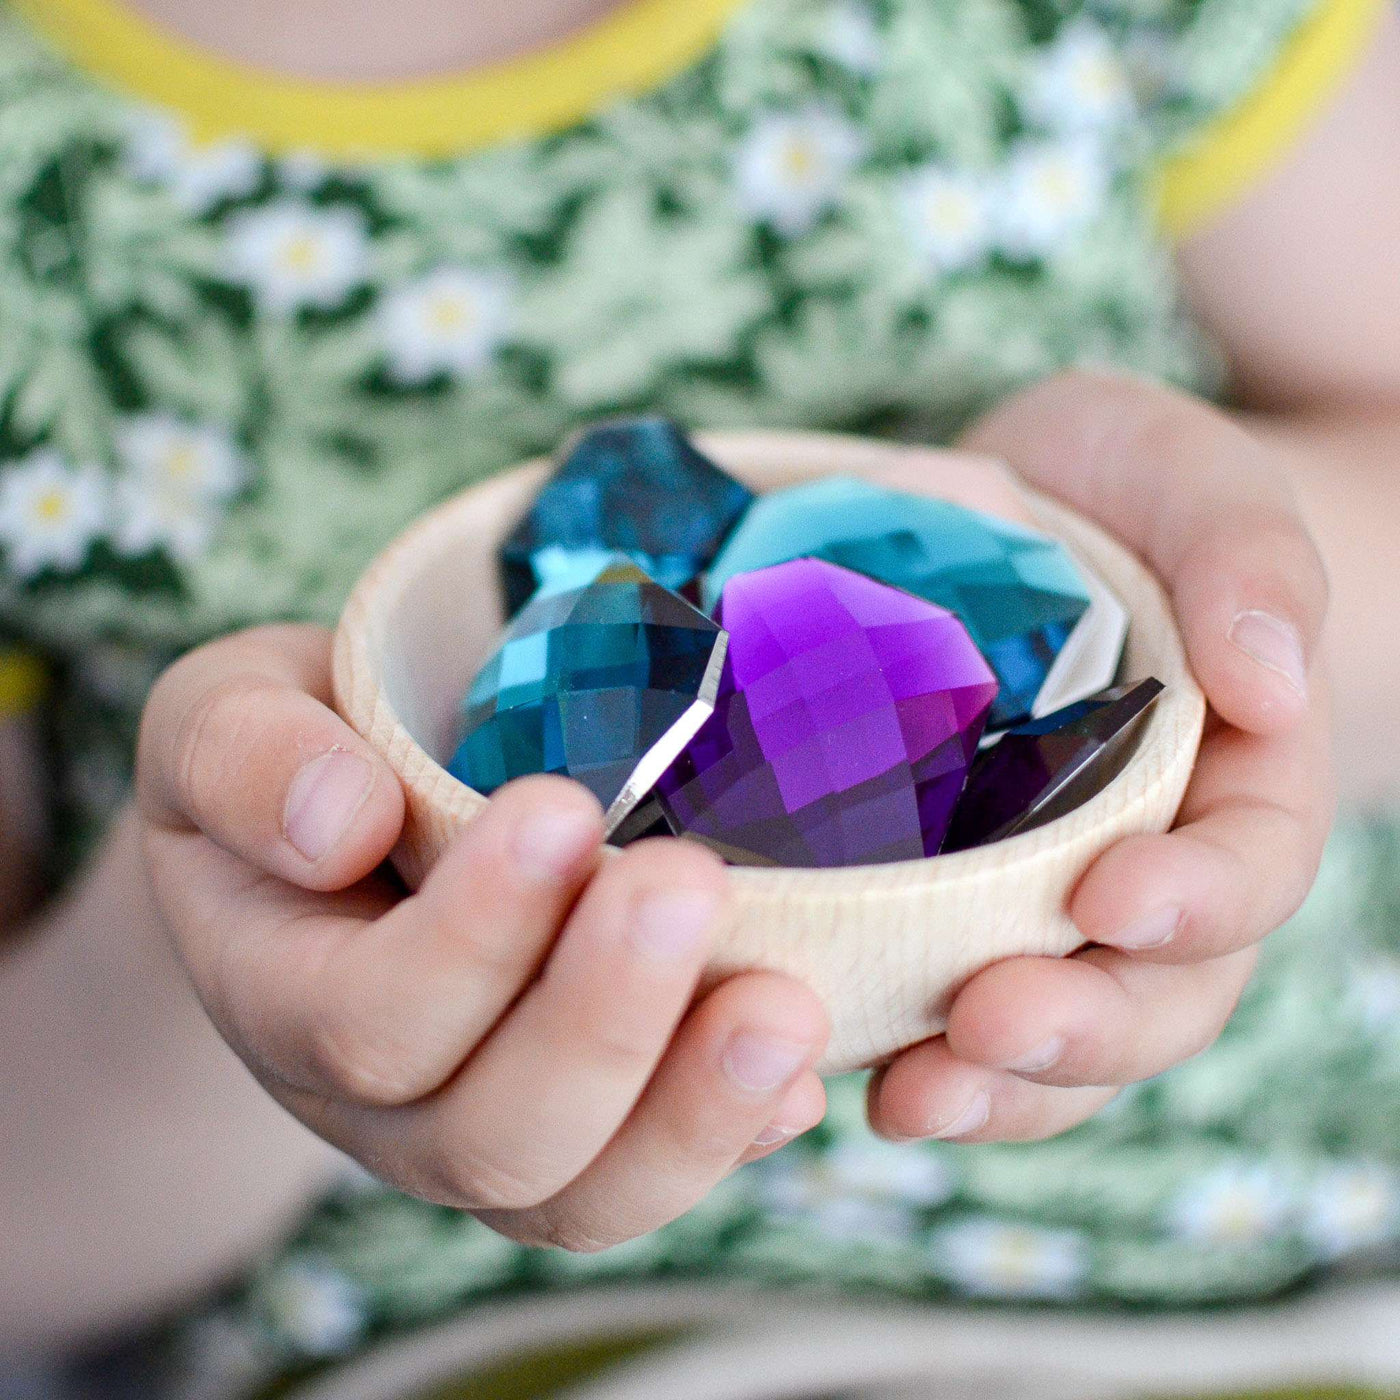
(1273, 643)
(1041, 1058)
(324, 798)
(549, 845)
(1150, 931)
(974, 1116)
(759, 1064)
(672, 927)
(774, 1134)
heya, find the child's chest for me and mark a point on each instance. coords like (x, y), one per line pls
(228, 377)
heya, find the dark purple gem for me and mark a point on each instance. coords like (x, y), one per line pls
(847, 717)
(1041, 770)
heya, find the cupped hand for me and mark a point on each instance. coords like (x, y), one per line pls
(1035, 1045)
(521, 1037)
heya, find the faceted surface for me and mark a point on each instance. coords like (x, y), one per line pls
(1018, 592)
(602, 684)
(636, 487)
(1044, 769)
(847, 715)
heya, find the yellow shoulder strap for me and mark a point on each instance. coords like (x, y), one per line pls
(1247, 142)
(21, 683)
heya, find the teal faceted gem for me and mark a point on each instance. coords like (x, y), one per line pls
(604, 684)
(635, 486)
(1018, 592)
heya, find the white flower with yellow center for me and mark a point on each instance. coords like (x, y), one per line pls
(1080, 84)
(910, 1173)
(1236, 1205)
(197, 175)
(791, 166)
(450, 322)
(851, 38)
(1049, 192)
(317, 1309)
(293, 254)
(988, 1258)
(1353, 1206)
(178, 478)
(948, 217)
(50, 513)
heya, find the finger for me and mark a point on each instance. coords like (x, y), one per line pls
(1241, 861)
(802, 1108)
(927, 1092)
(1098, 1018)
(547, 1091)
(384, 1012)
(238, 740)
(1247, 583)
(730, 1068)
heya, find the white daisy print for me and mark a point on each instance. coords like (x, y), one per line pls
(197, 176)
(450, 322)
(1373, 995)
(294, 254)
(303, 171)
(1049, 192)
(851, 38)
(791, 166)
(50, 513)
(988, 1258)
(906, 1172)
(1239, 1204)
(317, 1308)
(948, 217)
(1353, 1206)
(862, 1220)
(178, 479)
(1079, 83)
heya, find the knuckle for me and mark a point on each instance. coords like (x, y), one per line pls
(473, 1180)
(213, 741)
(364, 1064)
(563, 1230)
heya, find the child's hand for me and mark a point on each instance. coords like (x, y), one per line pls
(1035, 1045)
(514, 1039)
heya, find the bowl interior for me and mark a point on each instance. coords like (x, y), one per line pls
(447, 611)
(436, 610)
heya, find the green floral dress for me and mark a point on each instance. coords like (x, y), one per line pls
(228, 375)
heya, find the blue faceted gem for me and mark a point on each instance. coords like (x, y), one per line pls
(637, 487)
(604, 684)
(1018, 592)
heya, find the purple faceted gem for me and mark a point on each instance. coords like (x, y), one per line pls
(847, 717)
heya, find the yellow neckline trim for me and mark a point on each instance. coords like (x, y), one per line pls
(632, 50)
(1248, 142)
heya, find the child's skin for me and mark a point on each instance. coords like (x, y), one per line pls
(515, 1039)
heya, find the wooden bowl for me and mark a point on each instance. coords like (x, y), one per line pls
(885, 946)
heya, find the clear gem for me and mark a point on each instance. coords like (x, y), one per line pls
(847, 715)
(638, 487)
(1018, 591)
(603, 684)
(1042, 770)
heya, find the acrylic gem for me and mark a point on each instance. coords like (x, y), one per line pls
(1019, 592)
(847, 716)
(1044, 769)
(638, 487)
(603, 683)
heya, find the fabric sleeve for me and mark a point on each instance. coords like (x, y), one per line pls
(1247, 81)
